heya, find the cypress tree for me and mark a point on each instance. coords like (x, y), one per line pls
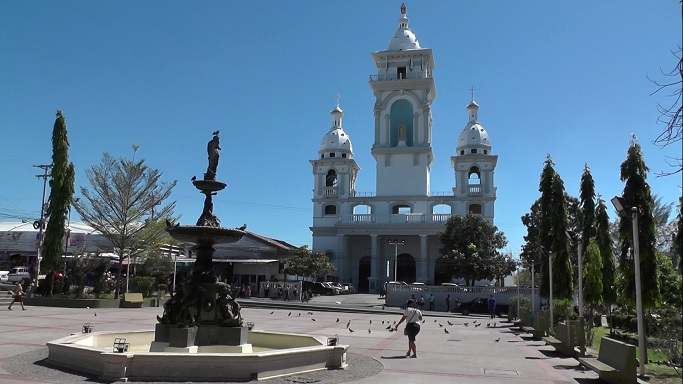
(61, 193)
(545, 238)
(604, 243)
(637, 194)
(563, 280)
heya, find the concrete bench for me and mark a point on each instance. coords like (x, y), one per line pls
(562, 342)
(616, 362)
(131, 300)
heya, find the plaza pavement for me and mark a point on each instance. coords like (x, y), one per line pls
(481, 355)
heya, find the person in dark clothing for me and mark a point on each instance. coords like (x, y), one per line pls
(492, 306)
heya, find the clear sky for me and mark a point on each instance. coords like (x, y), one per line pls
(565, 78)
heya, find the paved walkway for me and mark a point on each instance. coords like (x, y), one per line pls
(466, 354)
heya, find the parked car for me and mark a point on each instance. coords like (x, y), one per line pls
(17, 274)
(321, 288)
(4, 275)
(349, 288)
(481, 305)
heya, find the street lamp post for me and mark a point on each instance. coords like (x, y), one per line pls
(396, 243)
(632, 212)
(550, 301)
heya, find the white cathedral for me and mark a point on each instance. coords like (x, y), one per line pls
(391, 234)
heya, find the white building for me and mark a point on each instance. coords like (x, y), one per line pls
(357, 229)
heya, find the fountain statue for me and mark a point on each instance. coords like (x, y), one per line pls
(203, 311)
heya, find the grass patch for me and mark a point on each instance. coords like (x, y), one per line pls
(659, 374)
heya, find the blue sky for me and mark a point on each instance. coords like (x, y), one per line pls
(569, 79)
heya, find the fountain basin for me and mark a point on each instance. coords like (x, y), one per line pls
(272, 354)
(200, 234)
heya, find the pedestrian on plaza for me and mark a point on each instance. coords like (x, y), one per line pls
(421, 302)
(18, 296)
(448, 303)
(431, 302)
(413, 317)
(287, 292)
(266, 290)
(247, 292)
(492, 306)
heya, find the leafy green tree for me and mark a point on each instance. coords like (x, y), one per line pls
(592, 272)
(671, 283)
(545, 228)
(61, 193)
(470, 247)
(637, 194)
(563, 274)
(587, 197)
(123, 198)
(604, 243)
(303, 262)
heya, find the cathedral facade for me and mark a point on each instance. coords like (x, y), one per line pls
(391, 234)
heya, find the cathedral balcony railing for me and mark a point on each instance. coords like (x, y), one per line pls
(396, 76)
(331, 191)
(409, 218)
(364, 194)
(475, 190)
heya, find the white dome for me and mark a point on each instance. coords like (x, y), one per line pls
(336, 143)
(404, 38)
(473, 136)
(473, 139)
(336, 140)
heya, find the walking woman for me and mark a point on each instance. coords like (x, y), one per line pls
(413, 317)
(18, 296)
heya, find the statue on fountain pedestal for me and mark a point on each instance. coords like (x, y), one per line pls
(214, 150)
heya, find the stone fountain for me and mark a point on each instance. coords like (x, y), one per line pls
(200, 336)
(203, 312)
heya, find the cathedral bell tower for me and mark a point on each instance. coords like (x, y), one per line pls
(404, 90)
(474, 167)
(335, 172)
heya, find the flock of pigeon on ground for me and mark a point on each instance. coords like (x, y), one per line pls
(391, 326)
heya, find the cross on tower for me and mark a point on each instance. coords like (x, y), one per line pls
(472, 90)
(338, 96)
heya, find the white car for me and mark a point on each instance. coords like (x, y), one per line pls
(4, 276)
(17, 274)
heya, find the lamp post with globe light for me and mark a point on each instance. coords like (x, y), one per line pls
(396, 243)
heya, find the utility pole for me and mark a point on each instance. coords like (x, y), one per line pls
(46, 168)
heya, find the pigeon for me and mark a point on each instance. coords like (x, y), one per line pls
(289, 314)
(370, 321)
(388, 328)
(369, 331)
(382, 322)
(193, 178)
(435, 320)
(313, 319)
(337, 319)
(272, 312)
(474, 322)
(424, 321)
(446, 330)
(310, 313)
(351, 330)
(394, 322)
(95, 313)
(299, 314)
(488, 324)
(497, 340)
(348, 324)
(243, 227)
(466, 324)
(476, 325)
(440, 325)
(449, 323)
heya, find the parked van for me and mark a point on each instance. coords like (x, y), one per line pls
(17, 274)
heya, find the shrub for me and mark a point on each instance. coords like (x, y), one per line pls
(142, 284)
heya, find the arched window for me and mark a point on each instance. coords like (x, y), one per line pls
(474, 176)
(330, 209)
(400, 209)
(331, 179)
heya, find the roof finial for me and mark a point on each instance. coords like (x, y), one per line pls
(403, 8)
(472, 89)
(338, 96)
